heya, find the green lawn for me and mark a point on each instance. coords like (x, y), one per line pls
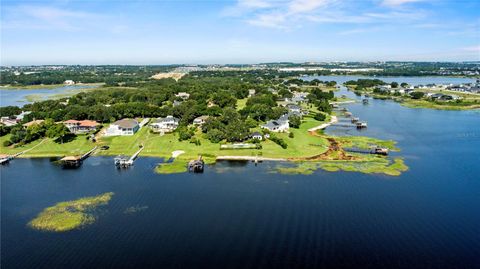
(241, 103)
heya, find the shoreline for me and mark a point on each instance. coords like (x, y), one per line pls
(47, 87)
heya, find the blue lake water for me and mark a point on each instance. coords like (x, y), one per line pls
(237, 215)
(18, 97)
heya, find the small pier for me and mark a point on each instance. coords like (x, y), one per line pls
(355, 119)
(196, 166)
(75, 161)
(5, 158)
(373, 150)
(361, 124)
(124, 162)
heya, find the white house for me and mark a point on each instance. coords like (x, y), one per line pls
(69, 82)
(123, 127)
(200, 120)
(257, 135)
(251, 92)
(294, 108)
(165, 125)
(277, 126)
(183, 95)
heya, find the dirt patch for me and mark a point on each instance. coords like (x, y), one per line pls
(334, 152)
(175, 76)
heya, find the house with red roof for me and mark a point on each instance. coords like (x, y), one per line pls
(81, 126)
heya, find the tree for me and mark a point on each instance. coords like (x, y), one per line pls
(404, 84)
(319, 117)
(417, 95)
(215, 135)
(394, 84)
(294, 121)
(58, 131)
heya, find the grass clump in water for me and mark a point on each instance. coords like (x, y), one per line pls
(372, 165)
(175, 167)
(69, 215)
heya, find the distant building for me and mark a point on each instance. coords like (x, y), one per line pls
(200, 120)
(81, 127)
(7, 121)
(251, 92)
(33, 122)
(69, 82)
(183, 95)
(165, 125)
(294, 108)
(123, 127)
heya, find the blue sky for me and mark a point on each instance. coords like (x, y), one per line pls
(237, 31)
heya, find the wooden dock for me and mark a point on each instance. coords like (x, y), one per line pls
(373, 150)
(75, 161)
(123, 162)
(5, 158)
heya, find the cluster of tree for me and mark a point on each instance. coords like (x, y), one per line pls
(263, 107)
(365, 83)
(48, 128)
(111, 75)
(320, 99)
(230, 126)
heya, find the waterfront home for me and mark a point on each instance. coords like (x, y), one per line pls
(294, 108)
(69, 82)
(183, 95)
(200, 120)
(299, 97)
(165, 125)
(123, 127)
(82, 126)
(256, 135)
(33, 122)
(277, 126)
(251, 92)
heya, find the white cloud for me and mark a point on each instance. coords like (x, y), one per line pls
(299, 6)
(47, 17)
(287, 14)
(394, 3)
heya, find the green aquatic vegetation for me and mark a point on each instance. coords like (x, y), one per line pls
(364, 142)
(177, 166)
(69, 215)
(302, 168)
(379, 165)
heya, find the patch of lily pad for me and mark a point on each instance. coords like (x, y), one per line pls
(70, 215)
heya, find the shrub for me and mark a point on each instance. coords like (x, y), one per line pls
(291, 135)
(279, 141)
(7, 143)
(320, 117)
